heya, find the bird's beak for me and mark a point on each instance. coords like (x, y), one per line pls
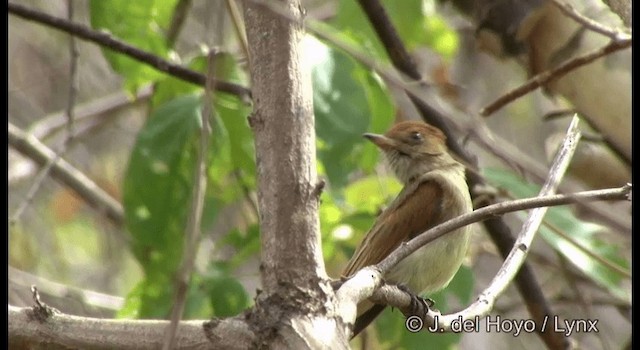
(381, 141)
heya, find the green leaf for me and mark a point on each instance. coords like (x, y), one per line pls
(233, 114)
(585, 233)
(226, 295)
(372, 193)
(348, 101)
(156, 193)
(140, 23)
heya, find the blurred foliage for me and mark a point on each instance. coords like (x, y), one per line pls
(349, 99)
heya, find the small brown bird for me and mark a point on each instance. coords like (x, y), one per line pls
(434, 191)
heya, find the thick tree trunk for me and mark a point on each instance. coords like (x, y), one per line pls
(295, 308)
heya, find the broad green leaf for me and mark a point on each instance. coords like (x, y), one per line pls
(585, 233)
(157, 191)
(348, 101)
(372, 193)
(168, 87)
(233, 114)
(140, 23)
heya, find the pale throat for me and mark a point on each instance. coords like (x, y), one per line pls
(408, 169)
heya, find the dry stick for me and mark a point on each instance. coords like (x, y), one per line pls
(65, 173)
(588, 23)
(614, 267)
(238, 25)
(71, 100)
(51, 123)
(108, 41)
(192, 236)
(610, 265)
(180, 12)
(555, 73)
(73, 77)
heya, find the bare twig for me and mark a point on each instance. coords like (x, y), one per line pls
(71, 100)
(519, 252)
(238, 25)
(192, 232)
(67, 174)
(555, 73)
(588, 23)
(610, 265)
(73, 77)
(178, 17)
(50, 124)
(108, 41)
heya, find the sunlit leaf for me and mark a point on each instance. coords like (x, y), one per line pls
(139, 23)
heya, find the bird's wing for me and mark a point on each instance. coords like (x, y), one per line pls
(408, 215)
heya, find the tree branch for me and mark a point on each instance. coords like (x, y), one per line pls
(70, 121)
(108, 41)
(67, 174)
(555, 73)
(588, 23)
(60, 331)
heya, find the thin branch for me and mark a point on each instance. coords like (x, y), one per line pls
(107, 40)
(71, 100)
(555, 73)
(86, 297)
(610, 265)
(588, 23)
(192, 232)
(390, 38)
(67, 174)
(238, 26)
(73, 77)
(519, 252)
(178, 17)
(50, 124)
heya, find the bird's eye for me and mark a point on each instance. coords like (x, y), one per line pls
(416, 136)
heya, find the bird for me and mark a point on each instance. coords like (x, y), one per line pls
(434, 191)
